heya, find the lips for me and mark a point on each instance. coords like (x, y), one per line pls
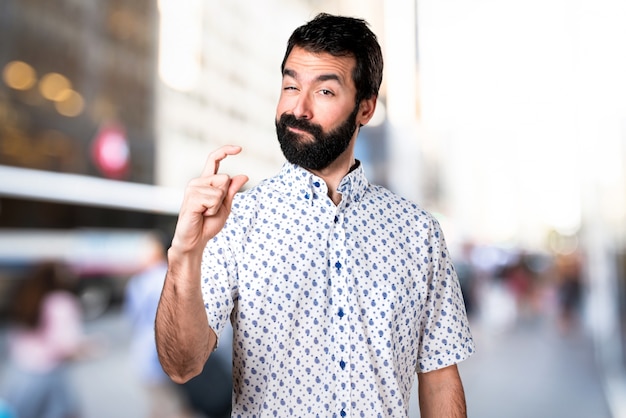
(299, 132)
(298, 125)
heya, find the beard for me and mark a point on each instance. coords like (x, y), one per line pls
(320, 151)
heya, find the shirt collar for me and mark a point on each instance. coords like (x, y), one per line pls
(294, 179)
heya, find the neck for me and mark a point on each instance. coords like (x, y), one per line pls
(334, 173)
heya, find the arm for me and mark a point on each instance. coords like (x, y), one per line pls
(441, 394)
(183, 337)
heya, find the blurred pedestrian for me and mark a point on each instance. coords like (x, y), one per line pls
(46, 334)
(569, 290)
(498, 305)
(521, 283)
(466, 272)
(143, 290)
(338, 290)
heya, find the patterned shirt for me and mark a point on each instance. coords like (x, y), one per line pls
(334, 307)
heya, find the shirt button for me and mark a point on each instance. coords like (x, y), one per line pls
(343, 413)
(337, 265)
(336, 219)
(342, 364)
(340, 313)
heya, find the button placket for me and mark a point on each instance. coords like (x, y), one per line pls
(342, 310)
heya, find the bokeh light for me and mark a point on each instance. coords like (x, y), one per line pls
(69, 103)
(55, 87)
(19, 75)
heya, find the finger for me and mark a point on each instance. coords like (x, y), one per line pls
(219, 181)
(213, 160)
(206, 186)
(236, 182)
(215, 196)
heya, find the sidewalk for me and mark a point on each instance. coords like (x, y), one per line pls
(533, 371)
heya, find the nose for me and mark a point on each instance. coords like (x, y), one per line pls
(302, 107)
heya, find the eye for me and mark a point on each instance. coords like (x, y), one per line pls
(289, 88)
(325, 92)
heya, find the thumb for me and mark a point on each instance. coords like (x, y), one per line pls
(236, 182)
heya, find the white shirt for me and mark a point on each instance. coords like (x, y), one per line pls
(334, 308)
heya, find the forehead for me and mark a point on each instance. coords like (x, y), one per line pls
(302, 63)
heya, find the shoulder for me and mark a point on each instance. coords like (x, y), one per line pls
(249, 205)
(262, 189)
(384, 200)
(248, 202)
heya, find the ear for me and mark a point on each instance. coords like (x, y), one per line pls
(366, 110)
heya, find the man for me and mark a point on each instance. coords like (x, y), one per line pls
(338, 290)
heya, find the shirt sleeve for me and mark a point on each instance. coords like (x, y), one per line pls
(444, 333)
(218, 275)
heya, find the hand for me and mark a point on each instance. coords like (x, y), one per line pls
(207, 203)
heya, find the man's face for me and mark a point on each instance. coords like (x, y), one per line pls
(325, 147)
(316, 116)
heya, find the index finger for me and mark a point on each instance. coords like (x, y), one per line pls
(213, 160)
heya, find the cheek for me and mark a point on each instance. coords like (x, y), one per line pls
(329, 120)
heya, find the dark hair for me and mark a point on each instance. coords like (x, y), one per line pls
(37, 283)
(343, 36)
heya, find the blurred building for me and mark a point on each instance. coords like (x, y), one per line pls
(77, 140)
(77, 95)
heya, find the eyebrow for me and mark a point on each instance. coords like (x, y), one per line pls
(322, 77)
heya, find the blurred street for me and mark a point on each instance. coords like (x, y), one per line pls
(106, 384)
(532, 371)
(527, 371)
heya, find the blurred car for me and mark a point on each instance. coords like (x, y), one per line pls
(100, 260)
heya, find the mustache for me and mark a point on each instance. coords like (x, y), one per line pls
(290, 121)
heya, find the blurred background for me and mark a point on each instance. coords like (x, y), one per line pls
(506, 119)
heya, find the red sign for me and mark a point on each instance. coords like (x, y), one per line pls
(110, 151)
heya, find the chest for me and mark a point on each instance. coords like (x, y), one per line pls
(327, 264)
